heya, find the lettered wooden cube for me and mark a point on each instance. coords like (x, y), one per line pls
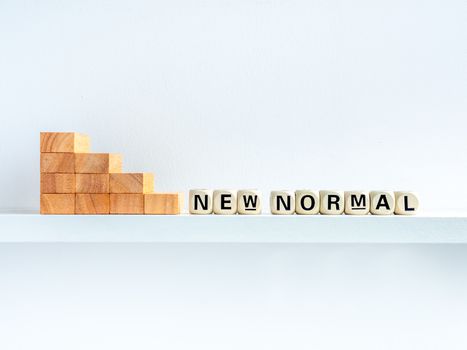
(357, 202)
(200, 202)
(92, 183)
(66, 142)
(406, 203)
(249, 202)
(331, 202)
(92, 203)
(57, 183)
(282, 202)
(57, 163)
(225, 202)
(98, 163)
(57, 203)
(306, 202)
(163, 203)
(127, 203)
(382, 202)
(132, 183)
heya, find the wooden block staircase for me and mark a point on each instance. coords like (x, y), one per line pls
(75, 181)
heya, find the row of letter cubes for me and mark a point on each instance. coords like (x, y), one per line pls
(304, 202)
(105, 203)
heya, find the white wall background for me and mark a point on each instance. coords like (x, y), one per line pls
(266, 94)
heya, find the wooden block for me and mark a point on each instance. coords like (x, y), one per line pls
(126, 203)
(69, 142)
(306, 202)
(57, 163)
(331, 202)
(163, 203)
(200, 202)
(92, 203)
(92, 183)
(132, 183)
(225, 202)
(98, 163)
(382, 202)
(357, 202)
(57, 203)
(249, 202)
(282, 202)
(57, 183)
(406, 203)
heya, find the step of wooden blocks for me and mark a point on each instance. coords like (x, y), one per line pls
(57, 203)
(132, 183)
(163, 203)
(92, 183)
(64, 142)
(57, 163)
(126, 203)
(92, 203)
(57, 183)
(98, 163)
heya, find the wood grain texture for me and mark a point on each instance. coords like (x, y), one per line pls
(57, 163)
(57, 183)
(92, 203)
(163, 203)
(132, 183)
(92, 183)
(70, 142)
(98, 163)
(57, 204)
(126, 203)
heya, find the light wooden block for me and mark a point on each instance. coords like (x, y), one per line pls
(406, 203)
(92, 183)
(225, 202)
(57, 203)
(382, 202)
(163, 203)
(249, 202)
(331, 202)
(306, 202)
(200, 202)
(357, 202)
(282, 202)
(132, 183)
(57, 163)
(92, 203)
(57, 183)
(68, 142)
(127, 203)
(98, 163)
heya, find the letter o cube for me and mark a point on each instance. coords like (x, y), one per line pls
(306, 202)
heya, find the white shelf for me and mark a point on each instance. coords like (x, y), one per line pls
(32, 227)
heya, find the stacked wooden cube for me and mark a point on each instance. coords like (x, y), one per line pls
(75, 181)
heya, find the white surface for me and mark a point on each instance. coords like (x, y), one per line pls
(242, 94)
(233, 296)
(219, 228)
